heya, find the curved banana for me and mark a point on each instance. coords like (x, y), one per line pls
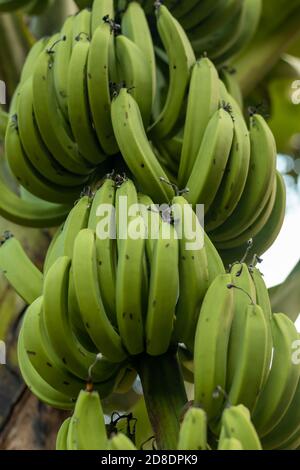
(193, 271)
(81, 25)
(102, 221)
(251, 366)
(244, 294)
(94, 316)
(228, 76)
(236, 424)
(19, 270)
(259, 184)
(78, 104)
(134, 25)
(98, 82)
(136, 149)
(25, 173)
(163, 291)
(37, 385)
(203, 102)
(76, 221)
(53, 127)
(121, 442)
(37, 48)
(235, 176)
(101, 8)
(193, 430)
(211, 345)
(283, 378)
(87, 416)
(215, 264)
(63, 50)
(181, 59)
(62, 435)
(133, 69)
(198, 13)
(229, 443)
(210, 164)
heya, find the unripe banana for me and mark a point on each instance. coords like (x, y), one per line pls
(193, 430)
(236, 424)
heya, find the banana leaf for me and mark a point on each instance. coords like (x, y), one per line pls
(286, 296)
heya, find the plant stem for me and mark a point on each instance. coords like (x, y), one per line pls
(165, 396)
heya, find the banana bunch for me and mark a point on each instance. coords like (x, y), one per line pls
(32, 7)
(86, 430)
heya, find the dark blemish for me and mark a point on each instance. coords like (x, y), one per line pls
(127, 256)
(31, 353)
(131, 316)
(87, 325)
(100, 263)
(167, 245)
(142, 165)
(90, 76)
(154, 303)
(124, 314)
(66, 383)
(48, 364)
(64, 360)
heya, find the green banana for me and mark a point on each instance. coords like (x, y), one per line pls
(181, 59)
(199, 13)
(81, 25)
(121, 442)
(136, 149)
(101, 8)
(87, 416)
(76, 221)
(236, 424)
(94, 316)
(98, 81)
(193, 271)
(134, 71)
(62, 435)
(229, 443)
(203, 102)
(282, 381)
(78, 105)
(228, 76)
(193, 431)
(162, 296)
(259, 182)
(105, 245)
(211, 345)
(210, 164)
(19, 270)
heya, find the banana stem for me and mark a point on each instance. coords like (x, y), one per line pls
(165, 396)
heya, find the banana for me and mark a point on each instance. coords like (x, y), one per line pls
(287, 429)
(228, 76)
(193, 431)
(78, 105)
(251, 365)
(98, 82)
(235, 176)
(42, 357)
(255, 227)
(53, 128)
(203, 102)
(198, 13)
(105, 245)
(181, 8)
(101, 8)
(87, 429)
(135, 26)
(268, 234)
(130, 279)
(193, 271)
(215, 264)
(86, 282)
(211, 160)
(181, 59)
(54, 249)
(21, 273)
(230, 444)
(76, 221)
(63, 50)
(121, 442)
(55, 316)
(81, 25)
(37, 385)
(25, 173)
(37, 48)
(211, 345)
(282, 381)
(263, 300)
(259, 184)
(62, 435)
(152, 219)
(133, 69)
(244, 294)
(163, 291)
(248, 23)
(136, 149)
(236, 424)
(34, 147)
